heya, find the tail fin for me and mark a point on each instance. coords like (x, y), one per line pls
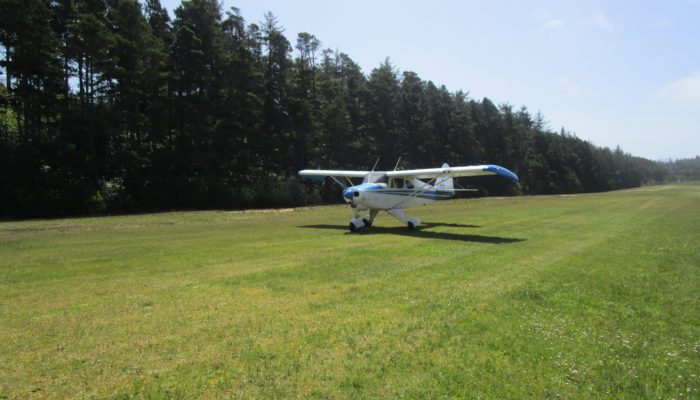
(444, 182)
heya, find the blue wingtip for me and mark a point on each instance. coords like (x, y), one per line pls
(502, 172)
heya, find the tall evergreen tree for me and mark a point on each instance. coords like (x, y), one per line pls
(382, 113)
(278, 143)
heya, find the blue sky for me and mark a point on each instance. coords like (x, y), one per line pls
(613, 72)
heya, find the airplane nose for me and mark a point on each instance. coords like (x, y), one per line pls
(347, 194)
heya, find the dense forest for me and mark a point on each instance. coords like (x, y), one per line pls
(110, 106)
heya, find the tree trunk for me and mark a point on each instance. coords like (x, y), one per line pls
(81, 84)
(8, 79)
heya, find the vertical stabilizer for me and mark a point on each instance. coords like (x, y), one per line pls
(444, 182)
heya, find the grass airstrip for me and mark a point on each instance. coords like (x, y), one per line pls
(585, 296)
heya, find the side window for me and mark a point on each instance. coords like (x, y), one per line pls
(398, 183)
(409, 185)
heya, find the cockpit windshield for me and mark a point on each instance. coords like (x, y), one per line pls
(375, 177)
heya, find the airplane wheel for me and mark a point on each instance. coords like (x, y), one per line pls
(366, 222)
(353, 228)
(411, 226)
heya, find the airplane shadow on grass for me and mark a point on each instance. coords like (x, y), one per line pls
(423, 232)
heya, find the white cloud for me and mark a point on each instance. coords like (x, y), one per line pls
(600, 21)
(685, 90)
(568, 85)
(552, 24)
(547, 19)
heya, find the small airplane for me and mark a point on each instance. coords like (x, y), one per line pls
(393, 191)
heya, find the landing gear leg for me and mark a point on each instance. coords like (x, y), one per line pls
(368, 219)
(411, 223)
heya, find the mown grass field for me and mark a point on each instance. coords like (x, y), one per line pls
(587, 296)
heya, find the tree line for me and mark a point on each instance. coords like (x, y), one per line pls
(111, 106)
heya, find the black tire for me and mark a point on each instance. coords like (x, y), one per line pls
(353, 228)
(411, 226)
(366, 222)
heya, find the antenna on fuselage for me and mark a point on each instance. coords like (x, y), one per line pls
(369, 177)
(397, 163)
(375, 163)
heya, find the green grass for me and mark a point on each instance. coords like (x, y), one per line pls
(587, 296)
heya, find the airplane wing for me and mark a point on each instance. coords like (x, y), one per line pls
(319, 174)
(474, 170)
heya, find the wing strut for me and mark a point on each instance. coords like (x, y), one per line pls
(339, 182)
(418, 191)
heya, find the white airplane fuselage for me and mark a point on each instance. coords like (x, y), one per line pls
(377, 196)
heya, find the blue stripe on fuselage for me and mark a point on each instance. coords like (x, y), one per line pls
(373, 187)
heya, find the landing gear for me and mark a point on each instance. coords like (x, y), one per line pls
(411, 223)
(356, 224)
(365, 221)
(362, 221)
